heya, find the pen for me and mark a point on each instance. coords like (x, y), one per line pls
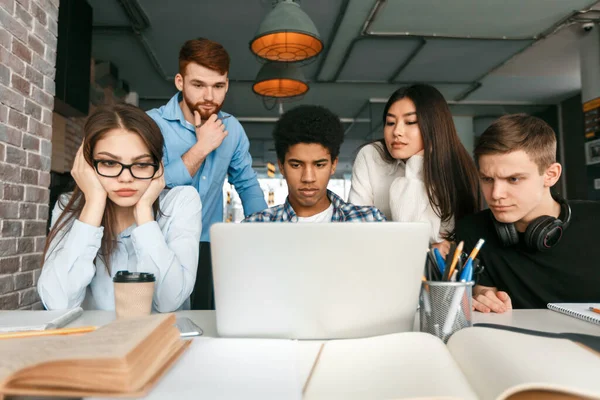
(594, 309)
(448, 262)
(432, 267)
(459, 266)
(449, 255)
(453, 276)
(440, 260)
(476, 249)
(466, 275)
(426, 300)
(467, 272)
(428, 267)
(47, 332)
(453, 310)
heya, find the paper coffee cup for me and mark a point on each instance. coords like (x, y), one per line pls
(133, 293)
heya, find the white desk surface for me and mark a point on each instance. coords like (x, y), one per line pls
(540, 320)
(182, 381)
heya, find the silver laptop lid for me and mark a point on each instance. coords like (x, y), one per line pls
(317, 281)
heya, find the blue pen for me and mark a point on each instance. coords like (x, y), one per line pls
(467, 272)
(439, 260)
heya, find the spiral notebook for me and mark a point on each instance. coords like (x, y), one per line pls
(577, 310)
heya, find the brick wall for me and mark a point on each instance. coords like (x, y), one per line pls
(67, 135)
(28, 30)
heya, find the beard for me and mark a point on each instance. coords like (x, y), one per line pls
(204, 114)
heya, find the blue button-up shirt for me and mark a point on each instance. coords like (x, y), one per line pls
(231, 158)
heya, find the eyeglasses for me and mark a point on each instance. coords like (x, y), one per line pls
(112, 169)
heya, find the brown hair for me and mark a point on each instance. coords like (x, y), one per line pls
(519, 132)
(101, 121)
(204, 52)
(450, 175)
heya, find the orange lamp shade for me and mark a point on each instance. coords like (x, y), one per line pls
(280, 80)
(286, 34)
(286, 46)
(280, 88)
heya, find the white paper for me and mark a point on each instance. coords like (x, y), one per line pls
(396, 366)
(499, 363)
(218, 368)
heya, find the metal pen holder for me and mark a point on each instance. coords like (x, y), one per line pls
(445, 307)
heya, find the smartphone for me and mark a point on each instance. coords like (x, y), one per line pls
(187, 328)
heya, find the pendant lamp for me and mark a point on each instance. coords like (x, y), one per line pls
(287, 34)
(280, 81)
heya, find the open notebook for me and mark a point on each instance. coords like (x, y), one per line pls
(577, 310)
(225, 368)
(477, 363)
(16, 321)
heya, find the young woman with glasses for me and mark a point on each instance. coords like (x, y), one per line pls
(119, 217)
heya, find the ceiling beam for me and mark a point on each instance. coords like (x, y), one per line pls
(334, 32)
(139, 22)
(360, 111)
(466, 93)
(563, 23)
(408, 60)
(366, 32)
(135, 13)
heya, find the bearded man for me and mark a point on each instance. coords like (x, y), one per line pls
(203, 145)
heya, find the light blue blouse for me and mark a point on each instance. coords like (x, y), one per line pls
(73, 276)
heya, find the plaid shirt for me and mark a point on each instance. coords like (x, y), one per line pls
(342, 212)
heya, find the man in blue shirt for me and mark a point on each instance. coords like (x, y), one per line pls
(204, 144)
(307, 142)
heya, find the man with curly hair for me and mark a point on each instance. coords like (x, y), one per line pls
(307, 141)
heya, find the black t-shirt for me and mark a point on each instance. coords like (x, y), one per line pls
(569, 272)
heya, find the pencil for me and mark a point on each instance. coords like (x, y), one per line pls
(594, 309)
(48, 332)
(457, 253)
(476, 249)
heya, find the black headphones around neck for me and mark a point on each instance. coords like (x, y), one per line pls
(542, 233)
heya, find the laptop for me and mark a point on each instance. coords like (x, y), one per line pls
(317, 281)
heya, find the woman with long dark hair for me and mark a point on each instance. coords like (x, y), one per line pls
(119, 217)
(419, 171)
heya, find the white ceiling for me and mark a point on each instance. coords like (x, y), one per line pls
(485, 56)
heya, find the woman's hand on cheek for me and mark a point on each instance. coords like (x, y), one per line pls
(87, 180)
(93, 191)
(143, 208)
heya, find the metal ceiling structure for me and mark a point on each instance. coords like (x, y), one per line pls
(487, 57)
